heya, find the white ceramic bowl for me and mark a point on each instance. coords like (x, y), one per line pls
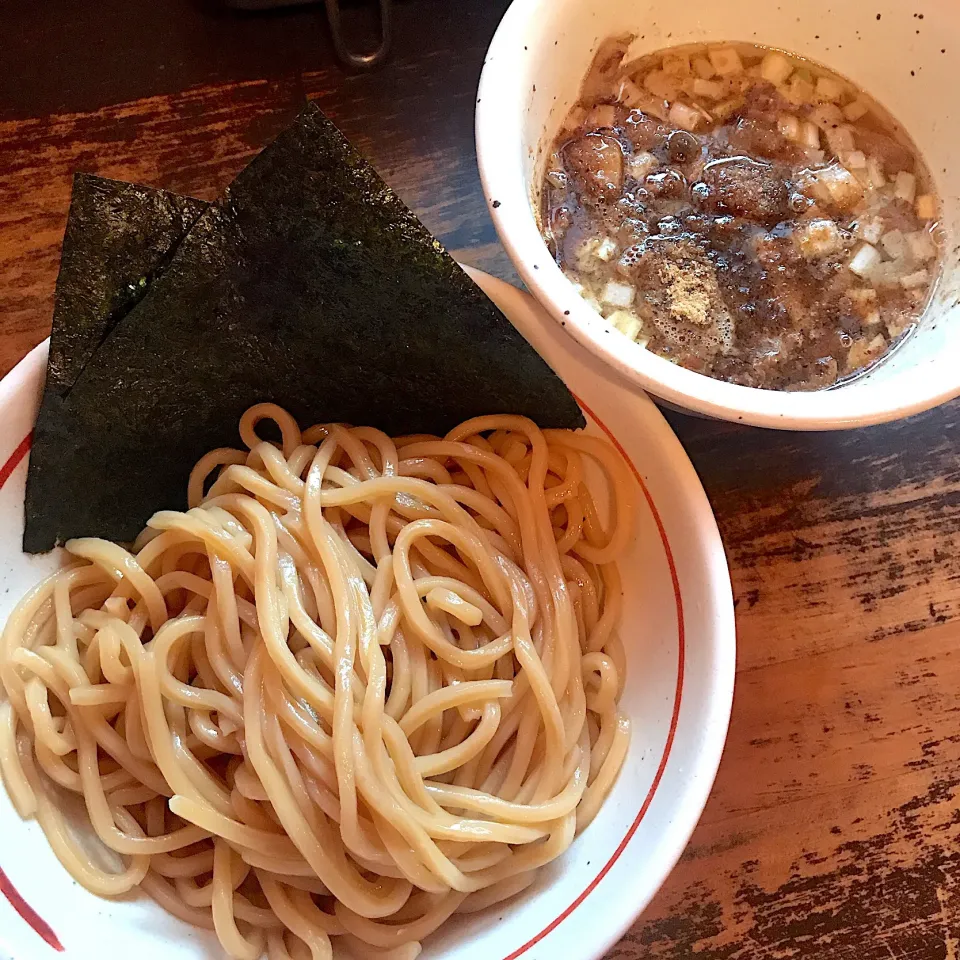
(678, 630)
(532, 75)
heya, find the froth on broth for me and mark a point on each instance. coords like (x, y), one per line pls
(742, 212)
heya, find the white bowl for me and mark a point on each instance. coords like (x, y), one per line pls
(678, 629)
(532, 75)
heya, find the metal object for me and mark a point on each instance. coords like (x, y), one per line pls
(361, 61)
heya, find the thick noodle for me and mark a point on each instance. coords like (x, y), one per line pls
(362, 684)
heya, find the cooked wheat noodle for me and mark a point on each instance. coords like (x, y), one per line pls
(361, 685)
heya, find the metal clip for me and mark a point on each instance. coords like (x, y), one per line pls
(361, 61)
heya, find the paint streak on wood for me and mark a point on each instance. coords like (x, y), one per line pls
(835, 877)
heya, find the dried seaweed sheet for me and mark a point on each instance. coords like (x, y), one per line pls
(119, 237)
(309, 284)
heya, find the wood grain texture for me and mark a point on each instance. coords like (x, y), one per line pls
(832, 831)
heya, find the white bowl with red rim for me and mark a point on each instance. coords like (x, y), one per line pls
(901, 54)
(678, 630)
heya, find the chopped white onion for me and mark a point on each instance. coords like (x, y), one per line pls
(726, 61)
(922, 246)
(844, 189)
(813, 186)
(862, 353)
(888, 274)
(875, 173)
(655, 107)
(711, 89)
(627, 323)
(617, 294)
(865, 260)
(829, 88)
(811, 135)
(723, 110)
(869, 229)
(630, 94)
(703, 68)
(585, 252)
(863, 176)
(856, 110)
(684, 117)
(914, 280)
(926, 206)
(840, 140)
(827, 116)
(894, 244)
(789, 126)
(855, 160)
(864, 297)
(602, 115)
(906, 188)
(896, 327)
(661, 85)
(799, 91)
(775, 68)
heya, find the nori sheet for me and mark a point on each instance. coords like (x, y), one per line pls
(119, 237)
(309, 284)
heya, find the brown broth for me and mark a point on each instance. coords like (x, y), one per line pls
(743, 213)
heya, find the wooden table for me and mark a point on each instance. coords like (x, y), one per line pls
(833, 831)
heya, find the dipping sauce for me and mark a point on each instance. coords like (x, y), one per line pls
(746, 214)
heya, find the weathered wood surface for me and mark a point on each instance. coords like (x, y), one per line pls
(832, 832)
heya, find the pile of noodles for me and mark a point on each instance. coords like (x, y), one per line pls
(362, 684)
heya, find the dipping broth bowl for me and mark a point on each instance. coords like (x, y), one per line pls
(903, 55)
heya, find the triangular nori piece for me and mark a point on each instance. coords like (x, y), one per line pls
(309, 284)
(119, 237)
